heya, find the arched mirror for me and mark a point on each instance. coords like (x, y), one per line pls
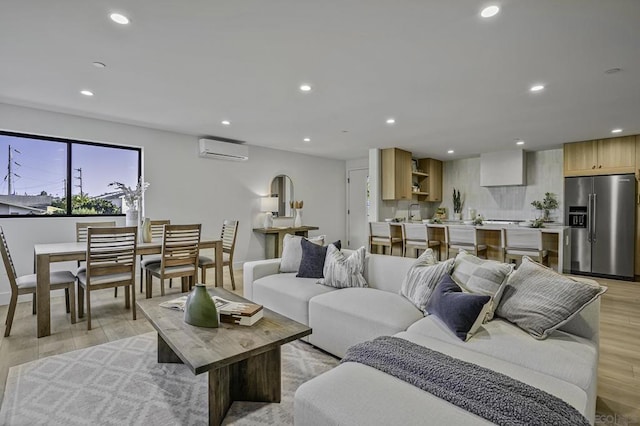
(282, 186)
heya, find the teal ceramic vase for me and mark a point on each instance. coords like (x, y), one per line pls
(200, 310)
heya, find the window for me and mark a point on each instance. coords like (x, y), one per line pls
(51, 176)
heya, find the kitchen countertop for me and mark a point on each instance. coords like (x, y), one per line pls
(549, 229)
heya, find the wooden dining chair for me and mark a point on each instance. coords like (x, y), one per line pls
(415, 236)
(26, 284)
(380, 235)
(81, 237)
(466, 238)
(523, 242)
(180, 245)
(111, 262)
(157, 231)
(228, 237)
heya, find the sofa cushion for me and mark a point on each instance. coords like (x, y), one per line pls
(352, 315)
(292, 251)
(565, 356)
(539, 300)
(288, 295)
(481, 276)
(341, 271)
(423, 277)
(313, 257)
(462, 313)
(356, 394)
(386, 272)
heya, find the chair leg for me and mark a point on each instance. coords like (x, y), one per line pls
(148, 283)
(33, 305)
(162, 287)
(115, 292)
(170, 282)
(88, 293)
(10, 313)
(133, 300)
(204, 274)
(80, 301)
(71, 291)
(233, 280)
(141, 279)
(127, 299)
(66, 299)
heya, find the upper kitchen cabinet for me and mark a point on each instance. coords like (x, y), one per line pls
(396, 174)
(431, 183)
(600, 157)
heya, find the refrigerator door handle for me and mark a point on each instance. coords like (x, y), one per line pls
(589, 218)
(593, 209)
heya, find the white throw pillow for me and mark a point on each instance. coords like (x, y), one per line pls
(341, 271)
(423, 277)
(292, 251)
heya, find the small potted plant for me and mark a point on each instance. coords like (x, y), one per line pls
(546, 205)
(457, 205)
(478, 221)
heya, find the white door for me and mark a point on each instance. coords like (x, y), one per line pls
(357, 213)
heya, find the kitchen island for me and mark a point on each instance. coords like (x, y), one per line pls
(555, 238)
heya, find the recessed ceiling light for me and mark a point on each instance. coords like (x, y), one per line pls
(537, 88)
(226, 122)
(99, 65)
(613, 70)
(391, 121)
(616, 131)
(118, 18)
(87, 92)
(490, 11)
(520, 142)
(307, 139)
(450, 151)
(305, 87)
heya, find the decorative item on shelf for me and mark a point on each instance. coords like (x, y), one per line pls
(546, 205)
(457, 205)
(441, 213)
(200, 310)
(132, 198)
(146, 230)
(298, 206)
(537, 223)
(478, 221)
(415, 188)
(414, 165)
(268, 205)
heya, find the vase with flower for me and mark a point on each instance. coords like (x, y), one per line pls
(132, 198)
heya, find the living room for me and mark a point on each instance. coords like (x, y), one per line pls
(447, 78)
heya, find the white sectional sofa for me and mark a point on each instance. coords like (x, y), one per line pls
(564, 365)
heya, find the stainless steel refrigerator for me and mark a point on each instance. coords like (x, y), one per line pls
(601, 213)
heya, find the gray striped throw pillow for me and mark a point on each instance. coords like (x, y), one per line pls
(341, 271)
(422, 278)
(539, 300)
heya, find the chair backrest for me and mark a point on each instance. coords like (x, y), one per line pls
(111, 251)
(81, 228)
(180, 245)
(228, 235)
(414, 232)
(380, 229)
(522, 239)
(463, 235)
(157, 228)
(8, 262)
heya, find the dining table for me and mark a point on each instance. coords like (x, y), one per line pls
(46, 254)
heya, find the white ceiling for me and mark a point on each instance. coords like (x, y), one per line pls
(451, 79)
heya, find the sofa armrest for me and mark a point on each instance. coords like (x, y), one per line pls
(255, 270)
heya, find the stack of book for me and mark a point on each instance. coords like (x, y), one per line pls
(238, 312)
(230, 312)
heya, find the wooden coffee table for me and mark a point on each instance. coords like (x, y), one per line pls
(243, 362)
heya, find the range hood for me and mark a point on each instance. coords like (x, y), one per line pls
(503, 168)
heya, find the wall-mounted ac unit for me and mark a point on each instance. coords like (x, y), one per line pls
(211, 148)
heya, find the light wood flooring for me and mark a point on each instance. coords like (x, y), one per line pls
(618, 374)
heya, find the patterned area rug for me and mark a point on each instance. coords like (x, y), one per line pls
(121, 383)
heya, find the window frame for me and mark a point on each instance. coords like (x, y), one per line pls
(69, 173)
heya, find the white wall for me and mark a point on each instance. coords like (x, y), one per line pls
(544, 174)
(184, 187)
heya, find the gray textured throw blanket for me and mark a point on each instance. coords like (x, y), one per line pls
(486, 393)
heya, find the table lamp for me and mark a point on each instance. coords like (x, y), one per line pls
(268, 205)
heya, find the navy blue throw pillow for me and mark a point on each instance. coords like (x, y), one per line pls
(462, 313)
(312, 262)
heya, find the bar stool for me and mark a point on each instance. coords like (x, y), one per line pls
(416, 236)
(466, 238)
(523, 242)
(380, 235)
